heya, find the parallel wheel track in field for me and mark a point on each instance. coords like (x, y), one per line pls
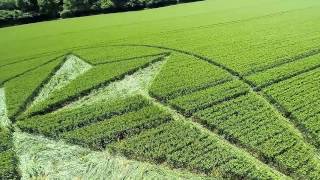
(235, 75)
(258, 90)
(285, 113)
(217, 132)
(29, 70)
(28, 101)
(287, 60)
(281, 109)
(263, 86)
(65, 102)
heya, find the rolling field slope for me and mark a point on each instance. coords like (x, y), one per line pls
(216, 89)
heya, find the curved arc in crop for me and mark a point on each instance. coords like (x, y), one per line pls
(232, 72)
(178, 116)
(133, 58)
(276, 105)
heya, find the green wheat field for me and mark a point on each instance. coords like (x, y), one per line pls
(215, 89)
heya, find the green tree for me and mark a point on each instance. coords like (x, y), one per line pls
(106, 4)
(27, 5)
(50, 8)
(7, 4)
(128, 4)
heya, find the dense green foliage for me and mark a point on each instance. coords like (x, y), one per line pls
(24, 11)
(49, 7)
(8, 4)
(27, 5)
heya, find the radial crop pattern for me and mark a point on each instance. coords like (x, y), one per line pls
(205, 90)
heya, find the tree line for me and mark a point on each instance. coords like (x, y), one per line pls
(70, 8)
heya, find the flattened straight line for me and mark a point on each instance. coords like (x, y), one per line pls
(65, 102)
(215, 132)
(270, 100)
(33, 95)
(263, 86)
(208, 105)
(30, 58)
(133, 58)
(174, 95)
(295, 58)
(31, 69)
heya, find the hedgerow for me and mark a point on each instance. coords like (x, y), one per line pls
(27, 11)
